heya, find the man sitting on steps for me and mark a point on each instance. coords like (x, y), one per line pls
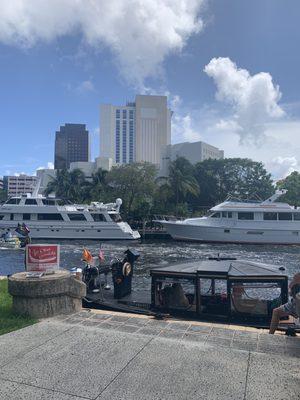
(289, 308)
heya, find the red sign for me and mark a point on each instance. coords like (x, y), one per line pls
(42, 257)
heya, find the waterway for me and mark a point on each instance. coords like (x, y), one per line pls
(161, 253)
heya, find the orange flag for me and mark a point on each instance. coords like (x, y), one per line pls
(87, 256)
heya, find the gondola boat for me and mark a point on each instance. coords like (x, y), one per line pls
(217, 289)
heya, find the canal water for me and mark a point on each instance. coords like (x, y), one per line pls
(161, 253)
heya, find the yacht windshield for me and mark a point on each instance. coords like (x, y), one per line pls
(116, 217)
(13, 201)
(214, 215)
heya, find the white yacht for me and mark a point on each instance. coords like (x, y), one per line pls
(51, 218)
(242, 222)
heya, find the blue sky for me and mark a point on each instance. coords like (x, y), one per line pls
(59, 61)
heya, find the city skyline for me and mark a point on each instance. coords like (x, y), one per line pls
(228, 83)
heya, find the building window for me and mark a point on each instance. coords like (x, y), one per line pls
(130, 114)
(297, 217)
(270, 216)
(216, 215)
(118, 141)
(30, 202)
(117, 113)
(49, 217)
(124, 136)
(285, 216)
(131, 141)
(226, 214)
(13, 201)
(48, 202)
(98, 217)
(246, 215)
(124, 114)
(26, 217)
(77, 217)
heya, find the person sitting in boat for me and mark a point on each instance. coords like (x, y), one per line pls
(23, 234)
(7, 235)
(289, 308)
(244, 304)
(174, 296)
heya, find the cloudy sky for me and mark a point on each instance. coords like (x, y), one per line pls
(230, 69)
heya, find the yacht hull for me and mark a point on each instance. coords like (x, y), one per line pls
(112, 232)
(205, 233)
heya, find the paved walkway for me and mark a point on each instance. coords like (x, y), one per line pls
(112, 356)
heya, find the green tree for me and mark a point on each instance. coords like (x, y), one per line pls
(134, 183)
(292, 184)
(237, 177)
(3, 195)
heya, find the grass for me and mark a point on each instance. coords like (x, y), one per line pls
(8, 320)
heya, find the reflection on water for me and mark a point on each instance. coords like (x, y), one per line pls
(161, 253)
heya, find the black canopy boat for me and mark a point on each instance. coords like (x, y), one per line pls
(217, 289)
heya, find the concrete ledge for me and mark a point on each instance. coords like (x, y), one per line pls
(50, 295)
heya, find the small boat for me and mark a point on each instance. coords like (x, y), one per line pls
(217, 289)
(236, 221)
(10, 243)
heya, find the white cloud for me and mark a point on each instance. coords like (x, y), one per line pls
(139, 33)
(50, 165)
(183, 130)
(281, 167)
(253, 99)
(85, 87)
(182, 122)
(19, 173)
(279, 152)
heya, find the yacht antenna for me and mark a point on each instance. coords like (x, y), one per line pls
(275, 196)
(37, 188)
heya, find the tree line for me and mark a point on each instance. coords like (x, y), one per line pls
(187, 190)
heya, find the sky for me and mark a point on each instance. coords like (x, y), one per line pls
(230, 69)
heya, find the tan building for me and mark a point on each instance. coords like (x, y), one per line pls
(193, 152)
(22, 184)
(135, 132)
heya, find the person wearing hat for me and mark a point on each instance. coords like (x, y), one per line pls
(289, 308)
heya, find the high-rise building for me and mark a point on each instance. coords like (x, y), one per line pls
(135, 132)
(71, 144)
(193, 152)
(16, 185)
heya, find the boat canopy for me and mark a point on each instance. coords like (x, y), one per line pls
(221, 268)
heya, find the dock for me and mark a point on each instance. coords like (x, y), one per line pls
(104, 355)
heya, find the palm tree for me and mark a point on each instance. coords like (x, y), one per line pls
(69, 185)
(181, 180)
(98, 187)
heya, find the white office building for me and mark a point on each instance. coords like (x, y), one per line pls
(135, 132)
(194, 152)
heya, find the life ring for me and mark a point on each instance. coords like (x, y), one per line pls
(126, 270)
